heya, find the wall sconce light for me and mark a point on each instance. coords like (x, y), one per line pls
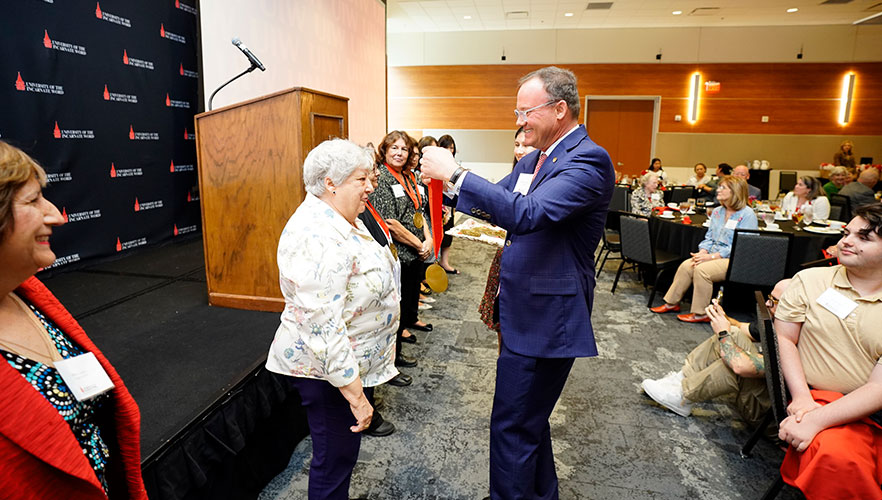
(694, 88)
(846, 98)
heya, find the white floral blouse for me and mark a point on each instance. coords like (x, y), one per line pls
(342, 292)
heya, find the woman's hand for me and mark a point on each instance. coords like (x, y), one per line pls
(701, 256)
(358, 404)
(426, 249)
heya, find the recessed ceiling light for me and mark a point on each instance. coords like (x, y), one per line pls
(792, 10)
(677, 12)
(466, 17)
(568, 14)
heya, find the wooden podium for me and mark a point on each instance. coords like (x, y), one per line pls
(250, 160)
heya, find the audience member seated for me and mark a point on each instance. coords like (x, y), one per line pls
(752, 191)
(656, 166)
(728, 362)
(831, 349)
(709, 264)
(56, 439)
(700, 176)
(807, 193)
(646, 196)
(861, 192)
(838, 179)
(707, 190)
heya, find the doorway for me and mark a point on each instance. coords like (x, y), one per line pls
(626, 126)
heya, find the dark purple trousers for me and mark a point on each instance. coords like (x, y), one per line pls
(334, 446)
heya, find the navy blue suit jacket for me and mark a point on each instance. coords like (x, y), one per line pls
(547, 273)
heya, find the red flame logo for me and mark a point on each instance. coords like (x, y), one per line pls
(64, 214)
(112, 170)
(137, 205)
(47, 42)
(98, 10)
(118, 245)
(57, 131)
(189, 198)
(125, 56)
(106, 93)
(19, 83)
(186, 135)
(172, 167)
(167, 99)
(177, 4)
(182, 68)
(176, 229)
(162, 30)
(131, 133)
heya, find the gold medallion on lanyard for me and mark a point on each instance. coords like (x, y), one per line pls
(418, 220)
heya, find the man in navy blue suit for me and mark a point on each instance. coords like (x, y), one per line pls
(553, 206)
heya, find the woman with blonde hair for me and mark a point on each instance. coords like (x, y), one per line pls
(845, 156)
(708, 265)
(807, 195)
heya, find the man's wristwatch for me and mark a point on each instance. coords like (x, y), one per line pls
(722, 335)
(456, 175)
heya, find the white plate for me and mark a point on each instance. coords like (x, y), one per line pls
(666, 217)
(822, 230)
(775, 230)
(781, 218)
(706, 224)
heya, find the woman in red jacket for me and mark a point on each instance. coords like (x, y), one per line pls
(52, 444)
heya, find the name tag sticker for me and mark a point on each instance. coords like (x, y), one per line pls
(731, 224)
(836, 303)
(84, 375)
(523, 184)
(397, 190)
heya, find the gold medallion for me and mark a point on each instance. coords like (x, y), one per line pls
(418, 220)
(436, 277)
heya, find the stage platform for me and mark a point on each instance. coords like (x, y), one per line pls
(214, 423)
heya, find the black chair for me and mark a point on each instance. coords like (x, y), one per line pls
(758, 258)
(843, 205)
(774, 382)
(638, 248)
(786, 181)
(611, 241)
(682, 193)
(621, 198)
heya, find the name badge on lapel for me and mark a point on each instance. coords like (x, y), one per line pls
(84, 375)
(836, 303)
(732, 224)
(397, 190)
(523, 184)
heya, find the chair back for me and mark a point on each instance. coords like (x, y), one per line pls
(758, 258)
(786, 181)
(842, 205)
(621, 199)
(682, 193)
(635, 238)
(771, 359)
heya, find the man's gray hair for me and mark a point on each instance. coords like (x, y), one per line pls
(335, 159)
(560, 85)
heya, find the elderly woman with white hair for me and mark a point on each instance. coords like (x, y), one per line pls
(646, 197)
(337, 332)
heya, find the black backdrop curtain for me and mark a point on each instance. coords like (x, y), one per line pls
(102, 94)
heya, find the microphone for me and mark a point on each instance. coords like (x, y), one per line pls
(251, 57)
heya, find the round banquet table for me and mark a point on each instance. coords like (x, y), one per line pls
(676, 237)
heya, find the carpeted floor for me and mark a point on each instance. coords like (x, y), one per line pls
(610, 440)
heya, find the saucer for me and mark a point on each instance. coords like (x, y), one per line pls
(774, 230)
(781, 218)
(666, 216)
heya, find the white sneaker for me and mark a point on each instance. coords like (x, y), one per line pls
(424, 307)
(675, 378)
(427, 300)
(668, 393)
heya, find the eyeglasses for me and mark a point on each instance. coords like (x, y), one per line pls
(771, 301)
(522, 115)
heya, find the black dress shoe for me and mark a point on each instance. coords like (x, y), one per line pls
(401, 360)
(426, 328)
(410, 340)
(401, 380)
(383, 429)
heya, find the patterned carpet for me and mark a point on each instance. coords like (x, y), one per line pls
(610, 440)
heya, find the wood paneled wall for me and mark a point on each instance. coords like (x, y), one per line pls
(798, 98)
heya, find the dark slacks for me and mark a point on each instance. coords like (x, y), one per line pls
(334, 446)
(521, 459)
(412, 274)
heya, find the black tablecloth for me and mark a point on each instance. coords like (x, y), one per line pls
(675, 237)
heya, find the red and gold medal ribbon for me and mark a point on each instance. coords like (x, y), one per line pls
(436, 191)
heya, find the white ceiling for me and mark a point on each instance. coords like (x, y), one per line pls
(405, 16)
